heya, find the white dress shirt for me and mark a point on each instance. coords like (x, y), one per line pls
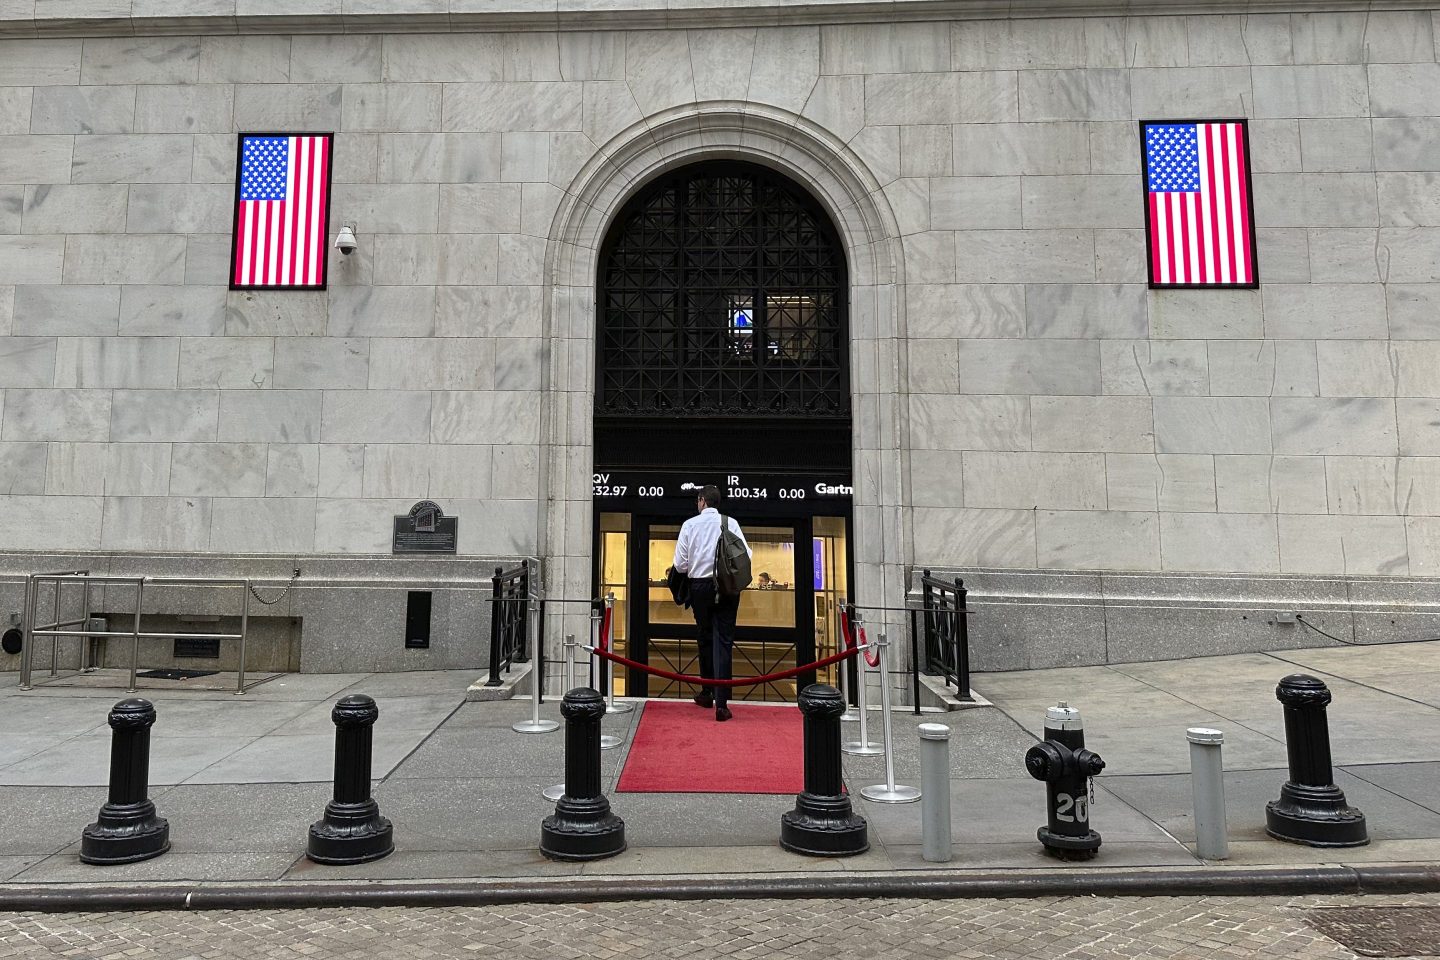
(695, 550)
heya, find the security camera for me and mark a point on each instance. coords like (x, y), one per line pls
(345, 240)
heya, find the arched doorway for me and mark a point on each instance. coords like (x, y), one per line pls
(722, 356)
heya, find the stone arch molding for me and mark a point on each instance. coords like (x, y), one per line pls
(855, 200)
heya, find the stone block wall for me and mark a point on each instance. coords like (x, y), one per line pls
(1043, 409)
(1064, 416)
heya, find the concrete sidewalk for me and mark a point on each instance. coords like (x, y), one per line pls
(241, 778)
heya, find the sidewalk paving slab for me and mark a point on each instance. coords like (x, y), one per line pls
(12, 864)
(984, 744)
(999, 811)
(726, 860)
(297, 759)
(85, 761)
(1017, 855)
(1417, 782)
(405, 864)
(402, 714)
(1167, 800)
(42, 820)
(466, 813)
(239, 865)
(263, 817)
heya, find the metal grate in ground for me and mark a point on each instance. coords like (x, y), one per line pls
(1381, 931)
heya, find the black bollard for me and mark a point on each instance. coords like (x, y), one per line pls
(127, 829)
(582, 826)
(1311, 809)
(823, 823)
(353, 830)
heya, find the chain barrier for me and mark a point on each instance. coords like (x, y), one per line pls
(283, 593)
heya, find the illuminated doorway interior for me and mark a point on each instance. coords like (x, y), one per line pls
(792, 619)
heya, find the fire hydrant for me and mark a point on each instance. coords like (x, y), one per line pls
(1062, 761)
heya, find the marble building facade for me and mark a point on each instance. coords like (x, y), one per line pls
(1119, 473)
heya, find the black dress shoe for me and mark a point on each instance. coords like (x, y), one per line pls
(705, 700)
(722, 713)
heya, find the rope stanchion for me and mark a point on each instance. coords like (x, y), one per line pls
(610, 705)
(889, 791)
(600, 623)
(849, 716)
(862, 747)
(537, 679)
(557, 790)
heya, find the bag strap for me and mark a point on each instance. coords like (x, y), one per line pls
(719, 553)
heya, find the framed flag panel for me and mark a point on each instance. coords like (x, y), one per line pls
(282, 211)
(1199, 216)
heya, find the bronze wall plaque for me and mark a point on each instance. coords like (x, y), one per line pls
(425, 529)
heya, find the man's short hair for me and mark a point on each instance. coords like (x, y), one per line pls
(711, 493)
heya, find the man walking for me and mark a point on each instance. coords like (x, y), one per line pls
(714, 615)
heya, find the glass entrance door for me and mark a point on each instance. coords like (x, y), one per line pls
(788, 616)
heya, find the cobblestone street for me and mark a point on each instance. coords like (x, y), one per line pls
(1048, 928)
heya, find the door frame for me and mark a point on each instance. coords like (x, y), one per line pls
(638, 626)
(641, 630)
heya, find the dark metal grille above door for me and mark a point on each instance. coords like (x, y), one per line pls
(722, 294)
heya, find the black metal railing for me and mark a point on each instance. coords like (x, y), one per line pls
(942, 624)
(510, 595)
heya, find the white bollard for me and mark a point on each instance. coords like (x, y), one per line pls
(935, 791)
(1207, 783)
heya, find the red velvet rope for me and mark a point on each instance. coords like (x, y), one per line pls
(738, 682)
(603, 649)
(848, 629)
(863, 642)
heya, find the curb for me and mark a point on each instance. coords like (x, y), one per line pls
(1334, 879)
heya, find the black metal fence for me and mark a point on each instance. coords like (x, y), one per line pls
(510, 619)
(946, 634)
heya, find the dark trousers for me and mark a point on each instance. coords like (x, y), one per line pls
(715, 619)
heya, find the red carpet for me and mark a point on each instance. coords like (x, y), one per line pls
(679, 748)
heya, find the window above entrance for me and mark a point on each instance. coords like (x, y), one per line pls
(722, 293)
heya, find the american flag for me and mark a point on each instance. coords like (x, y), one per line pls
(1198, 226)
(282, 211)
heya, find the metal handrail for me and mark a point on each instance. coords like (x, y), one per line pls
(55, 629)
(514, 592)
(946, 631)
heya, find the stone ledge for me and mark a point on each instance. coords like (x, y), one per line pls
(934, 692)
(440, 16)
(478, 692)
